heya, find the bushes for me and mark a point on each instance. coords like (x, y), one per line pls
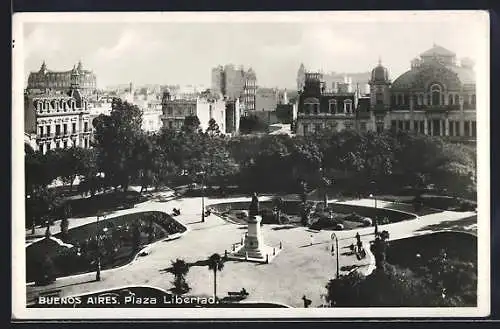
(45, 271)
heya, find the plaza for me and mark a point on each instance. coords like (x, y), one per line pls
(302, 268)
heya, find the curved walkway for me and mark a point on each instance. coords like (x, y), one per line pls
(303, 267)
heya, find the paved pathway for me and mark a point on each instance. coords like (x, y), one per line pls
(299, 269)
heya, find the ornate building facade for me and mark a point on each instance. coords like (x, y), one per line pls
(436, 97)
(58, 120)
(45, 80)
(319, 109)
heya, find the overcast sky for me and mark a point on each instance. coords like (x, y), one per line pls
(184, 52)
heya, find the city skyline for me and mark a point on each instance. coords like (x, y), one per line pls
(184, 52)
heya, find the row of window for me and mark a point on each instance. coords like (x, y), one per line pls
(59, 106)
(44, 147)
(61, 129)
(181, 111)
(436, 127)
(317, 127)
(313, 107)
(436, 97)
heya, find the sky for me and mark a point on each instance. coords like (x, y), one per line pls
(183, 52)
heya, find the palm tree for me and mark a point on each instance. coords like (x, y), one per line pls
(179, 269)
(215, 263)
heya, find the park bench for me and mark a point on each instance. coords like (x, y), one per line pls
(242, 294)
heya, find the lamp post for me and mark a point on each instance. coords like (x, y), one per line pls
(98, 254)
(203, 174)
(334, 237)
(373, 183)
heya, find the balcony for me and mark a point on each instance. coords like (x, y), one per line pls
(437, 108)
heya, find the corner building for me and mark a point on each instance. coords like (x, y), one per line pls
(436, 97)
(57, 120)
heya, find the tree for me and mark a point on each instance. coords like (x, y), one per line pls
(179, 269)
(213, 128)
(64, 228)
(215, 264)
(116, 136)
(278, 206)
(191, 124)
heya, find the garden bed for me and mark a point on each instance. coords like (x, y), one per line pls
(120, 237)
(291, 209)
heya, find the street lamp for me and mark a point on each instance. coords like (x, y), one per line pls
(373, 191)
(334, 237)
(98, 254)
(203, 174)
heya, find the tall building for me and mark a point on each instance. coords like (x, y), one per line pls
(45, 80)
(320, 109)
(235, 83)
(58, 120)
(205, 107)
(436, 97)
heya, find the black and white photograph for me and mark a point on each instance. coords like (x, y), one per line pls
(212, 165)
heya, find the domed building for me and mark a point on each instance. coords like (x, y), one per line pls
(436, 97)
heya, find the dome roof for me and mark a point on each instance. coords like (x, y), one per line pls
(437, 50)
(380, 73)
(419, 77)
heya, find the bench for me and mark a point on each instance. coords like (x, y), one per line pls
(240, 294)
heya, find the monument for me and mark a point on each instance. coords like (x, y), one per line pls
(253, 247)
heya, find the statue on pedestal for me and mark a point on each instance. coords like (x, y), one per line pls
(254, 206)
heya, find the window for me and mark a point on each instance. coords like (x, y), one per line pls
(40, 147)
(306, 129)
(85, 126)
(48, 146)
(400, 99)
(422, 126)
(466, 100)
(311, 105)
(65, 128)
(406, 100)
(473, 100)
(348, 125)
(58, 130)
(65, 144)
(48, 130)
(473, 128)
(451, 130)
(429, 102)
(394, 125)
(407, 125)
(317, 127)
(170, 124)
(380, 128)
(332, 104)
(362, 126)
(73, 127)
(393, 100)
(40, 130)
(400, 124)
(450, 100)
(316, 108)
(348, 106)
(170, 111)
(466, 128)
(436, 94)
(420, 99)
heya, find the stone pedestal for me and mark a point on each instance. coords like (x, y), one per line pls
(254, 248)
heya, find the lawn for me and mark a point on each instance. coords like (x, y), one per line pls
(120, 239)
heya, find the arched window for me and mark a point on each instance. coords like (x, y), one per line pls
(436, 94)
(450, 100)
(332, 106)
